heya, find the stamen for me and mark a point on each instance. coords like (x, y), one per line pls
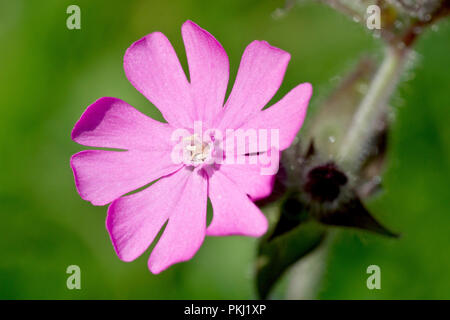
(198, 151)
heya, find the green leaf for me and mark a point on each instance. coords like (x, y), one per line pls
(292, 213)
(354, 214)
(277, 255)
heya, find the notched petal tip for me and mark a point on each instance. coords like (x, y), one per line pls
(157, 266)
(73, 166)
(261, 229)
(129, 52)
(74, 171)
(266, 191)
(284, 56)
(109, 224)
(191, 29)
(255, 231)
(145, 39)
(155, 270)
(308, 89)
(190, 24)
(91, 117)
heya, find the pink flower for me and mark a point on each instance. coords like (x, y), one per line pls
(180, 195)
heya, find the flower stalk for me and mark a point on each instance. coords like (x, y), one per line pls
(372, 108)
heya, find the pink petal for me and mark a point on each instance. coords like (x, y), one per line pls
(134, 221)
(185, 230)
(103, 176)
(286, 115)
(259, 76)
(208, 69)
(153, 68)
(233, 212)
(113, 123)
(248, 178)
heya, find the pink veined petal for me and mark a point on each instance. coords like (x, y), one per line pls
(233, 212)
(133, 221)
(286, 116)
(153, 68)
(248, 177)
(185, 230)
(259, 76)
(103, 176)
(208, 69)
(113, 123)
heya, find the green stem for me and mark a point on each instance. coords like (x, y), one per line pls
(372, 108)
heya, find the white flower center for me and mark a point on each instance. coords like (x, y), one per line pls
(196, 151)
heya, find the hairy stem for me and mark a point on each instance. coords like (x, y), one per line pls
(372, 108)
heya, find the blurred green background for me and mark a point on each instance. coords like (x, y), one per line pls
(50, 74)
